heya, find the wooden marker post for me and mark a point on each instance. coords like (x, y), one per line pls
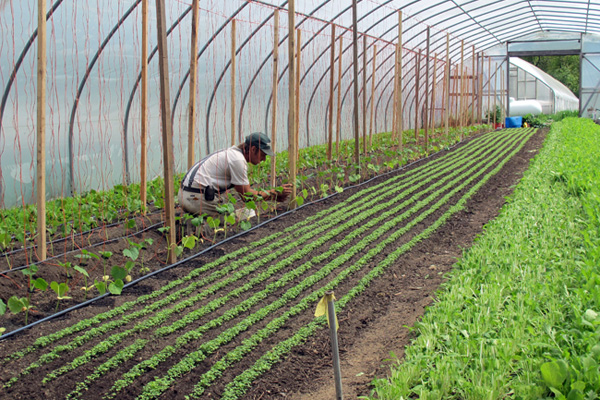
(193, 84)
(275, 87)
(331, 93)
(41, 132)
(144, 110)
(233, 72)
(167, 128)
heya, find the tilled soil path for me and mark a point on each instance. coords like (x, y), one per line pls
(238, 322)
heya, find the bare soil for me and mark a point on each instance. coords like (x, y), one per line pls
(372, 327)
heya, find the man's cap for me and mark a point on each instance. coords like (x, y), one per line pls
(261, 141)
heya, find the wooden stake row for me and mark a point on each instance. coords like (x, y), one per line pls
(454, 99)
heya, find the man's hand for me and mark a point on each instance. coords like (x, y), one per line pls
(285, 192)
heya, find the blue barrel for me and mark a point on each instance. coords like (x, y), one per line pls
(513, 122)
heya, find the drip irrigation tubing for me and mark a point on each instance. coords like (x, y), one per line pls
(185, 260)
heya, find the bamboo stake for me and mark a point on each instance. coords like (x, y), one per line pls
(417, 73)
(193, 84)
(462, 87)
(275, 87)
(355, 77)
(489, 102)
(455, 99)
(433, 101)
(364, 95)
(480, 91)
(292, 100)
(338, 125)
(400, 104)
(41, 132)
(167, 128)
(447, 85)
(395, 94)
(233, 73)
(426, 108)
(496, 96)
(374, 62)
(473, 86)
(298, 54)
(331, 93)
(144, 110)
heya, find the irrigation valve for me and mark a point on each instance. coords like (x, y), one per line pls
(327, 307)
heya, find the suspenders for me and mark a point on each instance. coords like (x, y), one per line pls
(188, 179)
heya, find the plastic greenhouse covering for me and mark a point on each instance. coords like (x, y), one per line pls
(94, 65)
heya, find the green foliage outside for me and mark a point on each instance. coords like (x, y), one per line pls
(519, 316)
(563, 68)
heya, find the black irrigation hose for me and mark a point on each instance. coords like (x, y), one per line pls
(88, 247)
(88, 232)
(90, 301)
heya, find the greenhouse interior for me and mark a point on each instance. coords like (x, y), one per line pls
(106, 105)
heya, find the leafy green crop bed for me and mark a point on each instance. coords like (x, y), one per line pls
(215, 325)
(520, 316)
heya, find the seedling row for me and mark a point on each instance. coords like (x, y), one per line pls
(248, 308)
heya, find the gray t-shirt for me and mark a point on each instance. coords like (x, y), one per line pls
(222, 169)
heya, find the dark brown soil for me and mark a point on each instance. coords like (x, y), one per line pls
(371, 326)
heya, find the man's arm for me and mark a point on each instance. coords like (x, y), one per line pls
(266, 195)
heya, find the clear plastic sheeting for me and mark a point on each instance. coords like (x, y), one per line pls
(93, 101)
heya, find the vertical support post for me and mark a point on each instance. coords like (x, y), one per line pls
(417, 73)
(41, 132)
(167, 128)
(504, 108)
(489, 96)
(455, 93)
(298, 54)
(364, 95)
(462, 87)
(292, 100)
(507, 105)
(144, 109)
(331, 93)
(426, 108)
(275, 86)
(395, 93)
(337, 374)
(399, 103)
(338, 124)
(433, 102)
(355, 69)
(233, 73)
(374, 62)
(473, 85)
(447, 83)
(193, 84)
(496, 95)
(480, 91)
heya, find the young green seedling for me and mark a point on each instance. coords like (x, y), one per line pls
(60, 289)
